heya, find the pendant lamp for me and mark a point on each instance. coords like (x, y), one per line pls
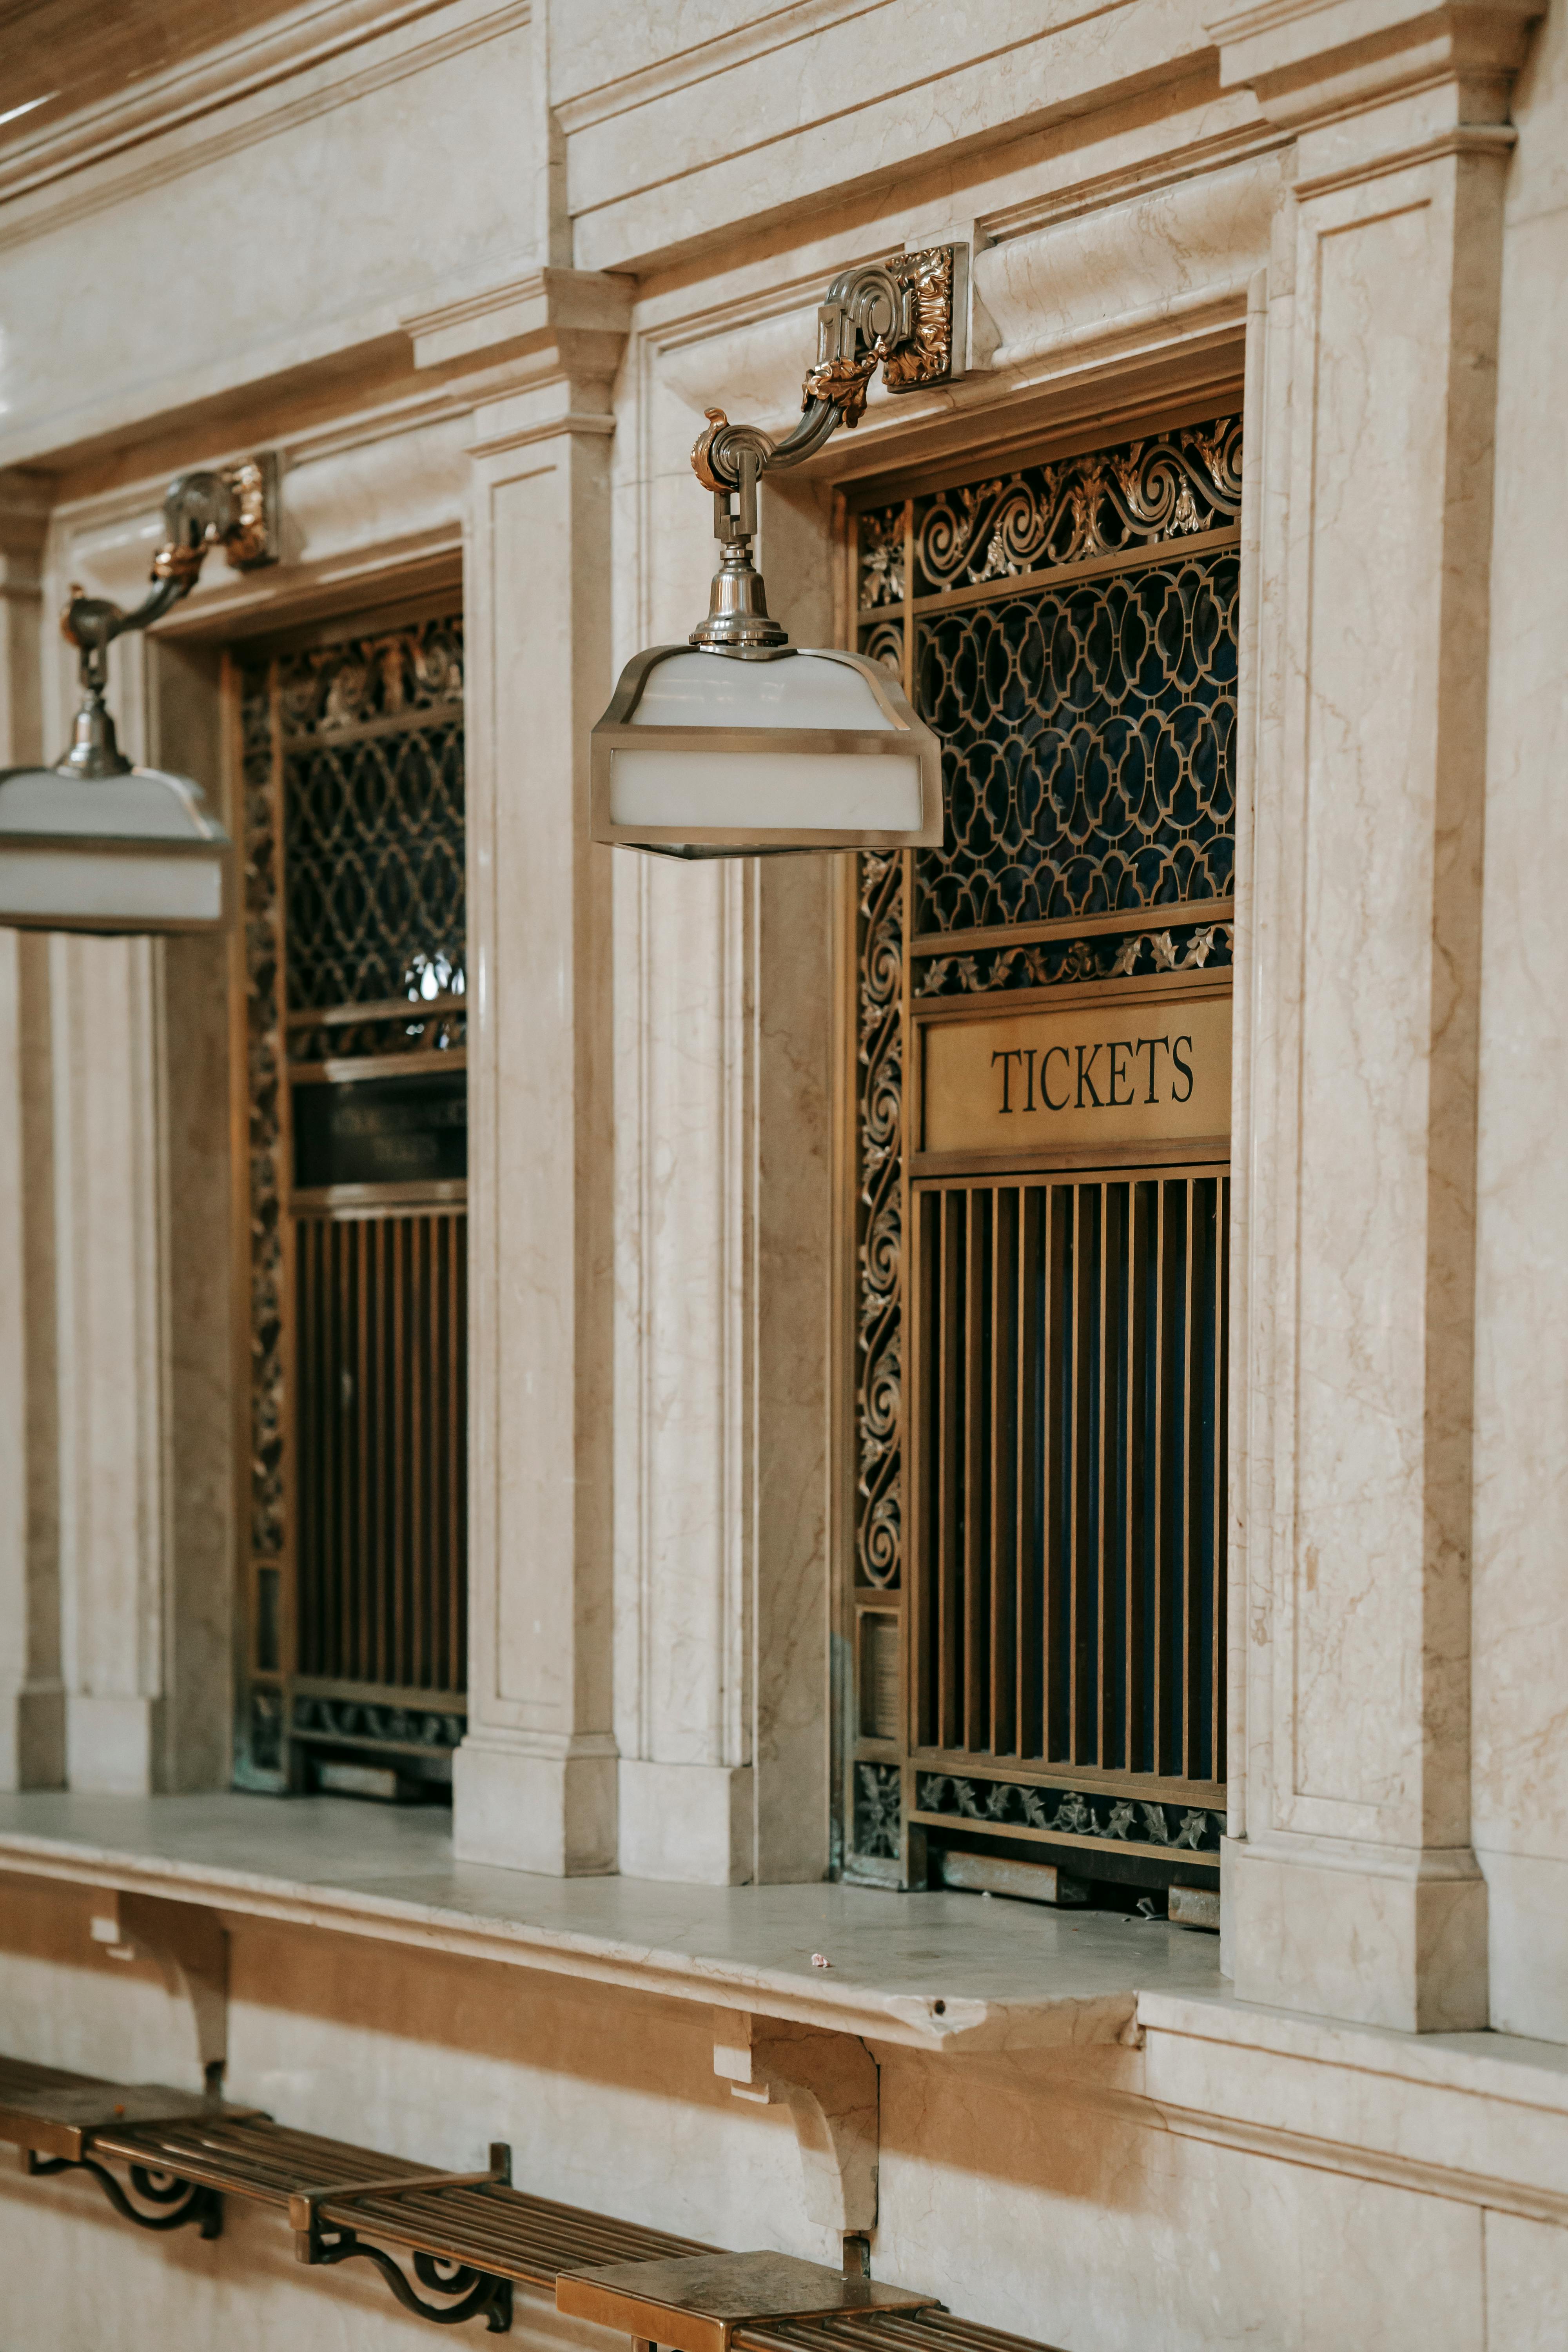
(738, 743)
(95, 844)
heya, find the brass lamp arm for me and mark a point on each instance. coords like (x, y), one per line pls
(231, 506)
(897, 315)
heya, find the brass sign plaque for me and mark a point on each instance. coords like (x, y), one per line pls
(1154, 1070)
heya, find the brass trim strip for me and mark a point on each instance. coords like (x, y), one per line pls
(366, 731)
(1057, 927)
(1185, 1858)
(1024, 584)
(1198, 1155)
(988, 1003)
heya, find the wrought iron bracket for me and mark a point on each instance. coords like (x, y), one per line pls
(321, 2236)
(904, 316)
(232, 507)
(479, 2293)
(178, 2201)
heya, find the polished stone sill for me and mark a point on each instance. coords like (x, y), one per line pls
(938, 1971)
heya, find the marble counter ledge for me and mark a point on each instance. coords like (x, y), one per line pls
(938, 1972)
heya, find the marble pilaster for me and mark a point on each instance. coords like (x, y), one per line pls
(31, 1700)
(534, 1782)
(1356, 1892)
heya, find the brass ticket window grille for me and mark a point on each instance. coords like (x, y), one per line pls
(1035, 1341)
(351, 1000)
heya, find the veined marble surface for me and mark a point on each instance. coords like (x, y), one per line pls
(937, 1971)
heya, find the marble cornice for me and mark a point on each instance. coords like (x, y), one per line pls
(778, 30)
(1493, 140)
(1314, 62)
(1198, 159)
(1180, 252)
(102, 147)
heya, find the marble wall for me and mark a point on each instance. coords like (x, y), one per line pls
(1067, 2195)
(476, 270)
(1521, 1420)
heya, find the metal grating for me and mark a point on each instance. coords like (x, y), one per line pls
(1070, 1470)
(1069, 629)
(354, 982)
(373, 797)
(382, 1365)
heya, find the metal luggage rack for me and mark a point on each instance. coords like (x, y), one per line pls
(167, 2158)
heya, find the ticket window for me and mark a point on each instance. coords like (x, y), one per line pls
(351, 984)
(1037, 1267)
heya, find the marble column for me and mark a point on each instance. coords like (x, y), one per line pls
(534, 1782)
(137, 1189)
(32, 1726)
(1355, 1893)
(724, 991)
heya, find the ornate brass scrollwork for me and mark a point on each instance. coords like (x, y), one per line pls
(897, 315)
(231, 506)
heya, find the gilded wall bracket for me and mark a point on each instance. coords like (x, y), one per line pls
(898, 315)
(232, 507)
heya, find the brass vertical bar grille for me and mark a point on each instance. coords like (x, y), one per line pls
(1142, 1261)
(1221, 1482)
(950, 1407)
(452, 1661)
(1164, 1486)
(1004, 1434)
(1030, 1459)
(1069, 1539)
(975, 1555)
(1192, 1475)
(383, 1328)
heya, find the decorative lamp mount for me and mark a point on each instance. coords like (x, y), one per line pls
(94, 843)
(231, 506)
(897, 315)
(697, 757)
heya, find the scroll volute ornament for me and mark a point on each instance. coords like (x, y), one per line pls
(898, 315)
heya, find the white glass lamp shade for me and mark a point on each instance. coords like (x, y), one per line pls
(714, 754)
(131, 852)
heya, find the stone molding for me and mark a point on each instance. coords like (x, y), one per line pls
(1452, 2120)
(1316, 61)
(240, 75)
(581, 315)
(780, 29)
